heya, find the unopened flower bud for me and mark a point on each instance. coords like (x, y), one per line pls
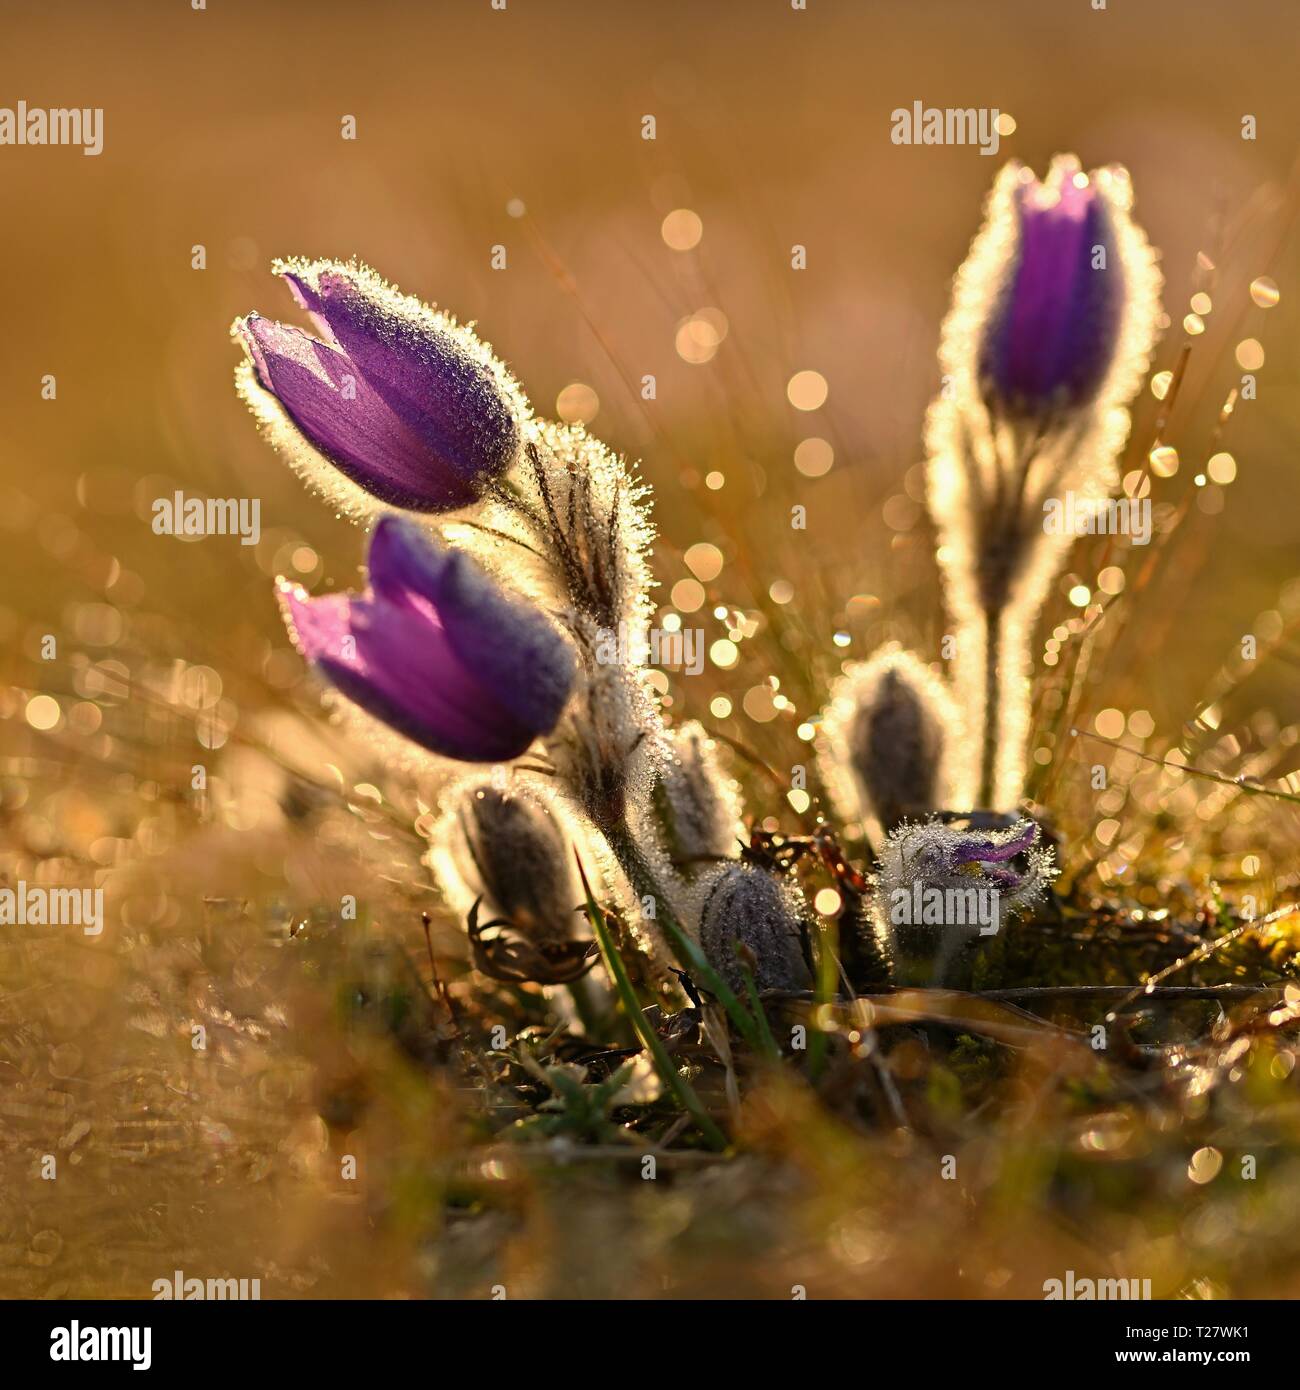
(398, 397)
(506, 860)
(752, 915)
(521, 859)
(887, 740)
(696, 805)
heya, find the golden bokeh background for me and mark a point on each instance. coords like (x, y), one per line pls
(223, 129)
(521, 128)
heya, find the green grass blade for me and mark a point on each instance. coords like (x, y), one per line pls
(672, 1078)
(769, 1048)
(689, 955)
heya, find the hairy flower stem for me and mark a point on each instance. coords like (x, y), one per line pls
(645, 884)
(989, 736)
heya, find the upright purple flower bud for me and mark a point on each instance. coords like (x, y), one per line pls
(436, 650)
(1054, 316)
(1055, 319)
(403, 400)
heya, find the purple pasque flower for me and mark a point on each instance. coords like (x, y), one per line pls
(1056, 318)
(436, 650)
(404, 401)
(939, 887)
(934, 852)
(992, 849)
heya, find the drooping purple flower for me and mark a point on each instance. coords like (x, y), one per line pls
(436, 650)
(1056, 319)
(404, 401)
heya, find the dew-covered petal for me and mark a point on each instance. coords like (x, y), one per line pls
(973, 849)
(346, 420)
(398, 666)
(509, 644)
(435, 650)
(1056, 323)
(429, 377)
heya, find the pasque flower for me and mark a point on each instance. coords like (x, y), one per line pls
(1054, 316)
(1055, 322)
(436, 650)
(753, 920)
(505, 858)
(519, 857)
(695, 807)
(939, 886)
(400, 398)
(887, 740)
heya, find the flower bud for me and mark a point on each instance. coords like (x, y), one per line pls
(506, 860)
(1057, 317)
(696, 805)
(752, 917)
(436, 650)
(887, 740)
(516, 851)
(402, 400)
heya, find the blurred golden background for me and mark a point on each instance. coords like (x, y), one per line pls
(222, 128)
(521, 128)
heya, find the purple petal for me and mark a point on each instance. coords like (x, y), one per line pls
(508, 644)
(400, 668)
(1006, 879)
(344, 418)
(428, 379)
(984, 851)
(436, 651)
(1053, 333)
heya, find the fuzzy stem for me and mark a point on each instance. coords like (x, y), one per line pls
(690, 957)
(989, 736)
